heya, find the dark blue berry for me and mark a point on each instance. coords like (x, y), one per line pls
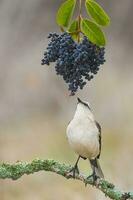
(75, 62)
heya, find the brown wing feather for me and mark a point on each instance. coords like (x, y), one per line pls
(99, 128)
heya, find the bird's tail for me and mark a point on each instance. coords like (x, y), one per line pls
(95, 165)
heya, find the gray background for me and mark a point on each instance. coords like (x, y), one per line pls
(35, 105)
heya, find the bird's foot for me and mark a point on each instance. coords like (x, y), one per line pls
(73, 172)
(94, 178)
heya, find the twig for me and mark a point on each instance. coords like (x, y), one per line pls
(15, 171)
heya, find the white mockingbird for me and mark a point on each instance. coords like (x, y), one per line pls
(84, 137)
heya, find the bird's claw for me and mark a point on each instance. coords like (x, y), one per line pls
(94, 178)
(73, 172)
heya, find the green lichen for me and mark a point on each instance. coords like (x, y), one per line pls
(15, 171)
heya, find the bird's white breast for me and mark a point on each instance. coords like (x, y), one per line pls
(83, 137)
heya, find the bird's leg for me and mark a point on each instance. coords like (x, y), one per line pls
(94, 178)
(93, 175)
(75, 169)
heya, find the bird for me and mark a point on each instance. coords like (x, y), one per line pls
(84, 137)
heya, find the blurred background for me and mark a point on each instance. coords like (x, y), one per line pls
(35, 107)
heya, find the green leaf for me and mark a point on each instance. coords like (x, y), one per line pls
(93, 32)
(65, 13)
(74, 28)
(97, 13)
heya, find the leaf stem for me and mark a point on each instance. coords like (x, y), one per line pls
(62, 29)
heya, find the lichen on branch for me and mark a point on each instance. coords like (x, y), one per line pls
(15, 171)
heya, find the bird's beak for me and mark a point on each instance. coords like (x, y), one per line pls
(79, 100)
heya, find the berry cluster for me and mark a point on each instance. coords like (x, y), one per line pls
(75, 62)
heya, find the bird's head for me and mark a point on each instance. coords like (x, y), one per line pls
(83, 110)
(85, 105)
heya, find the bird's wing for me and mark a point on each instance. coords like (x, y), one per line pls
(99, 129)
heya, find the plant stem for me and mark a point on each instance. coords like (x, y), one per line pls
(62, 29)
(79, 18)
(80, 7)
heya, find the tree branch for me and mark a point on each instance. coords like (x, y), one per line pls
(15, 171)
